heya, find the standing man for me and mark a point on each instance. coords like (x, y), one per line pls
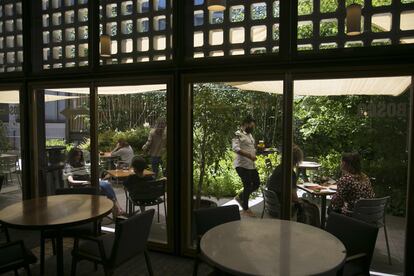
(244, 146)
(155, 145)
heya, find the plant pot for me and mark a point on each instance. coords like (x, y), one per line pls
(205, 203)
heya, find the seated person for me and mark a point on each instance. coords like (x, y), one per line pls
(134, 182)
(78, 175)
(352, 186)
(124, 151)
(275, 181)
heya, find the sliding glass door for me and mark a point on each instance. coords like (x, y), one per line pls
(11, 188)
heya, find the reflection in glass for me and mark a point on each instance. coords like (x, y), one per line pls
(132, 122)
(10, 151)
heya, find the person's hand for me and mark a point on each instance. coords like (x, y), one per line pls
(253, 157)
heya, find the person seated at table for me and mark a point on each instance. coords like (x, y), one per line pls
(77, 174)
(352, 186)
(124, 151)
(134, 182)
(274, 183)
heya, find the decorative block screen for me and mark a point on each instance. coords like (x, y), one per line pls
(11, 36)
(244, 28)
(322, 24)
(140, 30)
(64, 33)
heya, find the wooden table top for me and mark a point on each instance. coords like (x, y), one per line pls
(272, 247)
(107, 155)
(126, 173)
(5, 155)
(309, 165)
(325, 190)
(56, 211)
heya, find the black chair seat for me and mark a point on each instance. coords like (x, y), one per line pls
(74, 231)
(91, 248)
(151, 202)
(112, 250)
(14, 255)
(208, 218)
(359, 239)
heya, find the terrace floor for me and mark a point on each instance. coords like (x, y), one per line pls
(396, 232)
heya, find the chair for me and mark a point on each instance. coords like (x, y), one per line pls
(1, 181)
(359, 239)
(14, 255)
(92, 228)
(10, 165)
(271, 203)
(373, 211)
(78, 191)
(208, 218)
(269, 167)
(112, 250)
(149, 193)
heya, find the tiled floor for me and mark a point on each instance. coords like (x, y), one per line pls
(396, 231)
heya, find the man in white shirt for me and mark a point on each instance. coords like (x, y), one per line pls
(244, 146)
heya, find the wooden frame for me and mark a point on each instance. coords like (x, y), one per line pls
(180, 72)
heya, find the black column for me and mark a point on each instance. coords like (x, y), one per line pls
(409, 238)
(287, 146)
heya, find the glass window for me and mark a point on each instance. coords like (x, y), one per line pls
(140, 34)
(227, 118)
(11, 36)
(251, 25)
(132, 135)
(65, 34)
(381, 24)
(354, 134)
(10, 148)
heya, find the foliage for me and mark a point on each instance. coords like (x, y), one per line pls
(327, 126)
(136, 138)
(130, 111)
(59, 143)
(221, 180)
(305, 29)
(216, 116)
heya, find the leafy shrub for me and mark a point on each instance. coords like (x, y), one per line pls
(222, 180)
(135, 137)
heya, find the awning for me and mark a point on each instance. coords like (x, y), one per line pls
(392, 86)
(114, 90)
(12, 97)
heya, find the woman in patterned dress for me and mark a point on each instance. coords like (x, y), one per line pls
(352, 186)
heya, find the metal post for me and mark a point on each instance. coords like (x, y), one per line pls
(287, 146)
(93, 107)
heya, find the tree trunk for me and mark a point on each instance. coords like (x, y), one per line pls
(202, 169)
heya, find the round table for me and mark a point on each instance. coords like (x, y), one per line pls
(56, 212)
(272, 247)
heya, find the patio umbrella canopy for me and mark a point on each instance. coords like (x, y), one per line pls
(391, 86)
(115, 90)
(12, 97)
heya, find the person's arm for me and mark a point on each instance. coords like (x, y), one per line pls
(294, 189)
(116, 153)
(337, 200)
(71, 180)
(148, 143)
(115, 149)
(238, 150)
